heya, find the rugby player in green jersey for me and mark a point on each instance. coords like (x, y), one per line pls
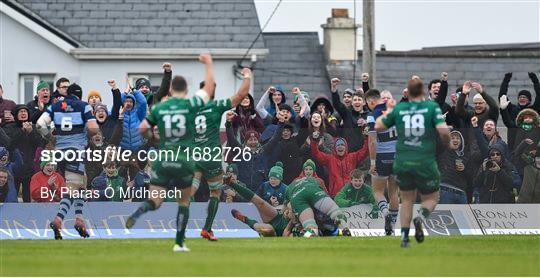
(418, 122)
(305, 195)
(207, 130)
(175, 119)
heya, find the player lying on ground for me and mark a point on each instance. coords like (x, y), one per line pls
(175, 119)
(207, 124)
(275, 223)
(417, 122)
(305, 196)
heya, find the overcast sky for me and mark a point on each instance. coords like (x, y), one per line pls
(405, 25)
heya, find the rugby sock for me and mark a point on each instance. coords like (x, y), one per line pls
(181, 223)
(424, 213)
(143, 208)
(65, 205)
(243, 191)
(195, 183)
(404, 233)
(310, 223)
(338, 216)
(383, 207)
(250, 222)
(213, 204)
(394, 214)
(78, 203)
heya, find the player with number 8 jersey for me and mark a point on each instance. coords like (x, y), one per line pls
(207, 131)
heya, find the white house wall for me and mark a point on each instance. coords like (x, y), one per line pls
(22, 51)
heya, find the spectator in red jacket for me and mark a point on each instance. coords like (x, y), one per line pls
(339, 164)
(45, 186)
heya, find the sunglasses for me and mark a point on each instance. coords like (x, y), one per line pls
(495, 154)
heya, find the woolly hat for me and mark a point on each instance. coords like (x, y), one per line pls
(310, 163)
(232, 168)
(94, 93)
(478, 97)
(75, 89)
(348, 92)
(340, 141)
(276, 171)
(142, 82)
(101, 106)
(44, 163)
(525, 93)
(42, 85)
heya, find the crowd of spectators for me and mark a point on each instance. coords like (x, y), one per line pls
(289, 136)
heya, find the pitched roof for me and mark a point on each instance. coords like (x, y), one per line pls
(150, 24)
(295, 59)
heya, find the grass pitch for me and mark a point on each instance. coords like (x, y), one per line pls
(437, 256)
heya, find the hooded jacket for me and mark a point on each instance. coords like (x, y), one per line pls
(521, 134)
(339, 167)
(330, 121)
(496, 187)
(247, 119)
(447, 165)
(271, 109)
(26, 143)
(131, 138)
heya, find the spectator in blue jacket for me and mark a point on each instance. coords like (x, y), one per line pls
(134, 113)
(273, 190)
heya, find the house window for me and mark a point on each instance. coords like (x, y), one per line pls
(28, 84)
(155, 79)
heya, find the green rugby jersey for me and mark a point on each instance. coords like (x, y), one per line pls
(175, 119)
(415, 123)
(208, 121)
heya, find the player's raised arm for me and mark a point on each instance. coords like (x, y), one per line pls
(387, 119)
(243, 91)
(207, 92)
(145, 128)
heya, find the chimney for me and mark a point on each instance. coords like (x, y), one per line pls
(339, 36)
